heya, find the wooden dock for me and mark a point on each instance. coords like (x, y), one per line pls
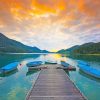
(54, 84)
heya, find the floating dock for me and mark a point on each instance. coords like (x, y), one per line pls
(54, 84)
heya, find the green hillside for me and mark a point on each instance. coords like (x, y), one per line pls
(9, 45)
(87, 48)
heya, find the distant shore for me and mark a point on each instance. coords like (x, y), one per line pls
(90, 54)
(26, 53)
(80, 54)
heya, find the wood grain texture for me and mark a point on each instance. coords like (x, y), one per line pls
(54, 84)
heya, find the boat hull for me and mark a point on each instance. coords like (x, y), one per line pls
(89, 70)
(34, 64)
(8, 71)
(50, 63)
(65, 64)
(9, 68)
(88, 73)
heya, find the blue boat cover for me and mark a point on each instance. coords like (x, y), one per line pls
(64, 64)
(82, 62)
(33, 64)
(10, 66)
(51, 62)
(89, 70)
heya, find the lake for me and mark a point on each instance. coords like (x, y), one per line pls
(15, 85)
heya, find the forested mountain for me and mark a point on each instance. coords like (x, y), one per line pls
(9, 45)
(87, 48)
(69, 50)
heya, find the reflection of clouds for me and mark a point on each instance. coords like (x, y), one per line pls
(57, 23)
(15, 91)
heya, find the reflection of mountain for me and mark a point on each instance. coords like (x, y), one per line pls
(6, 58)
(9, 45)
(8, 74)
(88, 76)
(94, 58)
(87, 48)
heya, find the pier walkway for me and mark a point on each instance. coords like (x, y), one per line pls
(54, 84)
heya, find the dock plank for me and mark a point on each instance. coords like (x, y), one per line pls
(54, 84)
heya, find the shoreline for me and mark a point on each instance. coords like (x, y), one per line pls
(27, 53)
(81, 54)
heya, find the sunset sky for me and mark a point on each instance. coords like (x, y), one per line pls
(51, 24)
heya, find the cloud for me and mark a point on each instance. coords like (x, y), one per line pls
(51, 24)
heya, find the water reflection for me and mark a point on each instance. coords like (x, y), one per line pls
(31, 72)
(9, 58)
(93, 58)
(9, 74)
(18, 83)
(67, 72)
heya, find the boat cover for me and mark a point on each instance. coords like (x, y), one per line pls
(35, 63)
(64, 64)
(10, 66)
(90, 70)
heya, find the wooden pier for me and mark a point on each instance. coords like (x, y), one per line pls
(54, 84)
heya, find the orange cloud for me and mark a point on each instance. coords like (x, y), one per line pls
(48, 6)
(42, 17)
(67, 9)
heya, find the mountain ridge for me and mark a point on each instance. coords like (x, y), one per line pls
(86, 48)
(13, 46)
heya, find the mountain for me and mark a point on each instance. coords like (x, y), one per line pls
(64, 51)
(45, 51)
(87, 48)
(13, 46)
(69, 50)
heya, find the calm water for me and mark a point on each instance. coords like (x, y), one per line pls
(15, 85)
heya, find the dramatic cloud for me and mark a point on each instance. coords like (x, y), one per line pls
(51, 24)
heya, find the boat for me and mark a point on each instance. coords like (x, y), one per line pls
(10, 67)
(63, 63)
(67, 66)
(34, 64)
(82, 62)
(50, 62)
(88, 76)
(89, 70)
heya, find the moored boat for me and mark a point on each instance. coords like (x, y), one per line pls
(10, 67)
(89, 70)
(50, 62)
(63, 63)
(67, 66)
(34, 64)
(82, 62)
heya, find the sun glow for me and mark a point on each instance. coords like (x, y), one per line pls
(54, 50)
(51, 24)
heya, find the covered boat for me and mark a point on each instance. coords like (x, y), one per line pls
(10, 67)
(67, 66)
(82, 62)
(89, 70)
(63, 63)
(50, 62)
(34, 64)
